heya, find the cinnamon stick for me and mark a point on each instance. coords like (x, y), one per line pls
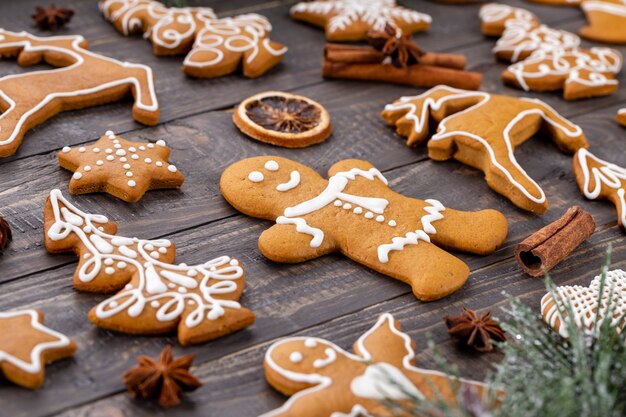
(548, 246)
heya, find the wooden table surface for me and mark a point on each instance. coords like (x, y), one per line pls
(330, 297)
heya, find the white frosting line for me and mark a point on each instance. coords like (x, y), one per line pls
(293, 182)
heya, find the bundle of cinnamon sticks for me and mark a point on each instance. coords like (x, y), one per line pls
(367, 63)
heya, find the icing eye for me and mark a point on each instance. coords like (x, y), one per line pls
(272, 166)
(296, 357)
(256, 176)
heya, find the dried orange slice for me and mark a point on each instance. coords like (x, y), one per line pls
(283, 119)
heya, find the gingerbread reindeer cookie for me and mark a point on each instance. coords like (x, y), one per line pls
(214, 47)
(83, 79)
(601, 180)
(154, 296)
(547, 59)
(354, 212)
(482, 131)
(606, 20)
(323, 379)
(349, 20)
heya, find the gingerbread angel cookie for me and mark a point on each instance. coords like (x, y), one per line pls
(26, 345)
(154, 295)
(323, 379)
(621, 117)
(349, 20)
(601, 180)
(214, 47)
(606, 20)
(83, 79)
(547, 59)
(482, 130)
(584, 303)
(119, 167)
(354, 212)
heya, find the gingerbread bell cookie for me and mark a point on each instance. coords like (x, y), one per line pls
(349, 20)
(588, 313)
(119, 167)
(482, 131)
(82, 79)
(283, 119)
(213, 47)
(621, 117)
(323, 379)
(154, 296)
(606, 20)
(354, 212)
(547, 59)
(601, 180)
(26, 345)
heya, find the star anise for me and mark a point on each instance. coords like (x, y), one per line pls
(284, 114)
(474, 331)
(400, 48)
(165, 379)
(52, 18)
(5, 234)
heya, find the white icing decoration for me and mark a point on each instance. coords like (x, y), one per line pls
(77, 175)
(331, 356)
(293, 182)
(380, 218)
(375, 384)
(255, 176)
(160, 142)
(66, 149)
(171, 168)
(132, 183)
(296, 357)
(152, 274)
(272, 166)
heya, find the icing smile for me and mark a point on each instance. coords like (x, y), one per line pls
(293, 182)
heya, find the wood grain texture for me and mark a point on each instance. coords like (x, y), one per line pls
(330, 297)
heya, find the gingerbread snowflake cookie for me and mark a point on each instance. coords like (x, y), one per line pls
(119, 167)
(324, 380)
(354, 212)
(26, 345)
(82, 79)
(154, 296)
(547, 59)
(584, 304)
(349, 20)
(482, 130)
(606, 20)
(601, 180)
(214, 47)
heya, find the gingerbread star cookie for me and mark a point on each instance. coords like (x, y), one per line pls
(26, 345)
(349, 20)
(606, 20)
(154, 296)
(601, 180)
(354, 212)
(323, 379)
(547, 59)
(584, 304)
(81, 79)
(621, 117)
(482, 131)
(214, 47)
(119, 167)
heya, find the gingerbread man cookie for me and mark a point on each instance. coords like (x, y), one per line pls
(323, 379)
(606, 20)
(214, 47)
(354, 212)
(155, 296)
(83, 79)
(601, 180)
(26, 345)
(349, 20)
(547, 59)
(119, 167)
(584, 303)
(482, 131)
(621, 117)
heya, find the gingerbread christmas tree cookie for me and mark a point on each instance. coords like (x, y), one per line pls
(26, 345)
(213, 47)
(354, 212)
(82, 79)
(601, 180)
(119, 167)
(349, 20)
(606, 20)
(323, 379)
(547, 59)
(482, 131)
(154, 296)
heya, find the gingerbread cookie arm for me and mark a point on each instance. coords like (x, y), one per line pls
(386, 343)
(292, 240)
